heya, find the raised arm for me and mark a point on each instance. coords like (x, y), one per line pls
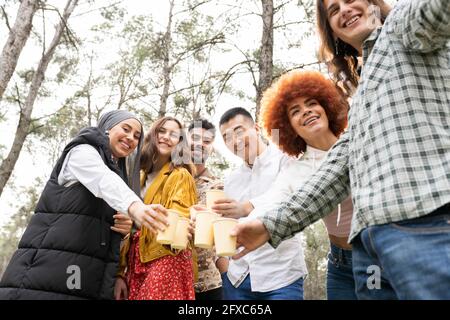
(423, 25)
(325, 189)
(86, 166)
(328, 187)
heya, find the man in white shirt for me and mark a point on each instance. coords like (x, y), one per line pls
(266, 274)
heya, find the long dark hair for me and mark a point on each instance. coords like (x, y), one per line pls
(340, 57)
(181, 155)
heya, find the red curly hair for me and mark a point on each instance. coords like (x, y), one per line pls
(292, 85)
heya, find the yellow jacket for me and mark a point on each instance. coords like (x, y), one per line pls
(173, 189)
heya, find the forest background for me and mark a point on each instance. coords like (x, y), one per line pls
(65, 62)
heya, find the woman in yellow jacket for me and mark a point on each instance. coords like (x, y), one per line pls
(149, 270)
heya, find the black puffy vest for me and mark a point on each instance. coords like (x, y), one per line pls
(69, 235)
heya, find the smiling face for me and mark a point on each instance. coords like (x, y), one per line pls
(168, 136)
(352, 21)
(201, 144)
(241, 137)
(124, 137)
(308, 118)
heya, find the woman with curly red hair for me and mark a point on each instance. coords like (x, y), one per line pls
(304, 114)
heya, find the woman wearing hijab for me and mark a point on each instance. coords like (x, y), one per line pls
(70, 249)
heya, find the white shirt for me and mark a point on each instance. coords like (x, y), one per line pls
(270, 269)
(247, 183)
(84, 164)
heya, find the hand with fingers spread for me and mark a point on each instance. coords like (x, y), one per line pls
(120, 289)
(231, 208)
(251, 235)
(152, 216)
(122, 224)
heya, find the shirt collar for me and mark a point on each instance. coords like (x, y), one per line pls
(264, 158)
(369, 42)
(313, 153)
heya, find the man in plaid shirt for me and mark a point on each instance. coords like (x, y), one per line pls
(395, 159)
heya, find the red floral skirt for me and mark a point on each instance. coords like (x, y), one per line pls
(166, 278)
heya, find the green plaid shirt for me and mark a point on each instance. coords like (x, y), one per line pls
(395, 155)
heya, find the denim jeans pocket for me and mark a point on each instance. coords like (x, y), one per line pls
(428, 225)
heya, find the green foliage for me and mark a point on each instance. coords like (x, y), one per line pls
(196, 33)
(180, 101)
(67, 66)
(57, 130)
(316, 249)
(278, 70)
(309, 7)
(26, 75)
(217, 164)
(113, 13)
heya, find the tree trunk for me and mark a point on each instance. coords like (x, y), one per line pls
(266, 52)
(23, 127)
(18, 36)
(167, 68)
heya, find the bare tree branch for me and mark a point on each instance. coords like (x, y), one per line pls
(291, 23)
(218, 38)
(8, 164)
(43, 31)
(67, 30)
(17, 99)
(192, 8)
(96, 9)
(281, 6)
(6, 18)
(296, 67)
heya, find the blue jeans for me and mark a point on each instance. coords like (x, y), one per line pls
(404, 260)
(340, 280)
(293, 291)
